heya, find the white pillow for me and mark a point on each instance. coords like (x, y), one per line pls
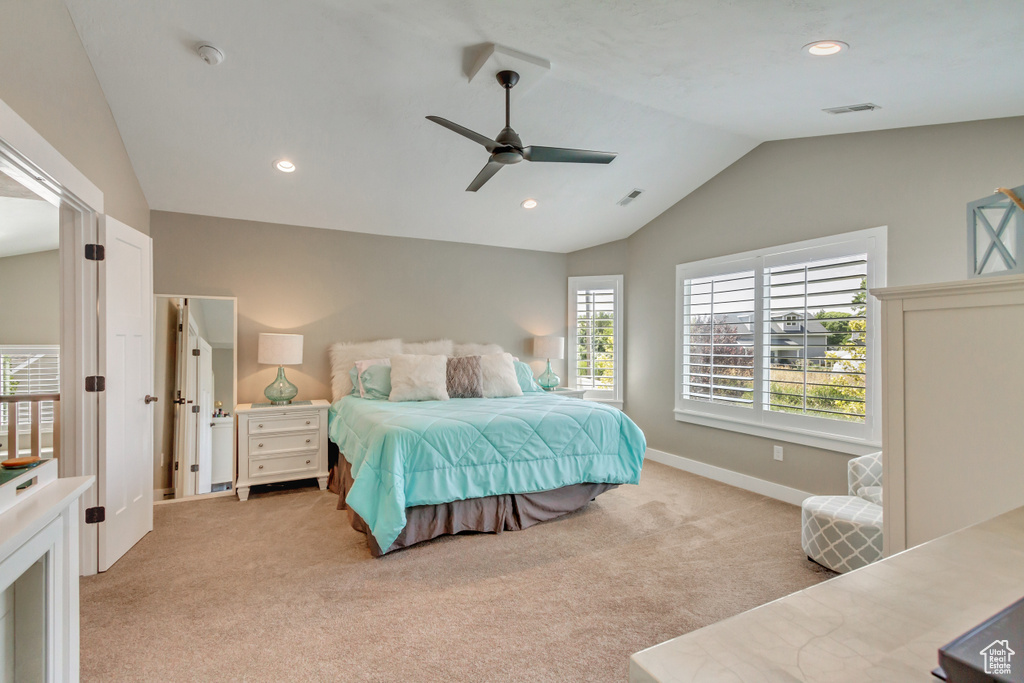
(476, 350)
(499, 376)
(344, 356)
(441, 347)
(419, 378)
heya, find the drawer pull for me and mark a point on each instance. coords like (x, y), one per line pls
(261, 467)
(261, 445)
(259, 426)
(308, 440)
(307, 422)
(307, 462)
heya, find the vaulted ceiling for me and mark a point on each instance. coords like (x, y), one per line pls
(679, 88)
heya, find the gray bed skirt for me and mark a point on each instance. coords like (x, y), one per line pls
(493, 514)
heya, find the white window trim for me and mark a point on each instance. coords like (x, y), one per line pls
(810, 431)
(615, 282)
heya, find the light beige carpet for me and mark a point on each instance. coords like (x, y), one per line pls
(280, 588)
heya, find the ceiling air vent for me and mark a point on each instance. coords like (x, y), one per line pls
(849, 109)
(630, 197)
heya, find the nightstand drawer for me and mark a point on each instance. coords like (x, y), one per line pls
(284, 423)
(287, 464)
(278, 443)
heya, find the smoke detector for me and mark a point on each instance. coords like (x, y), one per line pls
(210, 54)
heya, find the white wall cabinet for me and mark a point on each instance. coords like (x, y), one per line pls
(953, 406)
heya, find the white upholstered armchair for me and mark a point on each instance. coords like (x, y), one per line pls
(844, 533)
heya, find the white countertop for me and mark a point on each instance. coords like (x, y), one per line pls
(884, 622)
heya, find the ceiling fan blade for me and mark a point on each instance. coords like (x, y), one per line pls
(485, 174)
(573, 156)
(490, 144)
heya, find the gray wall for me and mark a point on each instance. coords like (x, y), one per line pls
(917, 181)
(49, 81)
(223, 378)
(30, 298)
(330, 286)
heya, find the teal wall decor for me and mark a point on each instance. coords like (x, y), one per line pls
(995, 234)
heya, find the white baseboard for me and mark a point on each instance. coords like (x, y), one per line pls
(743, 481)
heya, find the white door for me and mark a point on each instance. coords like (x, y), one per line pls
(204, 425)
(185, 447)
(125, 473)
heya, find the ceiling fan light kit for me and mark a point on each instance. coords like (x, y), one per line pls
(507, 148)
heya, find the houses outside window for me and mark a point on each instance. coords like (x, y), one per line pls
(783, 342)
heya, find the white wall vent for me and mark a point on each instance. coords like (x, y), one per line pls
(851, 108)
(630, 197)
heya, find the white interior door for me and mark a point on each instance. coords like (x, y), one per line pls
(204, 425)
(185, 448)
(125, 476)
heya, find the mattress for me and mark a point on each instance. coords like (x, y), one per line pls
(408, 454)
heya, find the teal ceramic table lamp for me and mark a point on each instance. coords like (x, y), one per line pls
(548, 347)
(280, 350)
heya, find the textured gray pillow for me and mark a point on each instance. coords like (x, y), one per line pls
(465, 377)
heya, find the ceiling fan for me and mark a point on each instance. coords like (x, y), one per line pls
(506, 148)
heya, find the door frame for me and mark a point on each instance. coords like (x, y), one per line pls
(81, 205)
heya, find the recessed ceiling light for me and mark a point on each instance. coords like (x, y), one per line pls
(529, 203)
(284, 166)
(824, 48)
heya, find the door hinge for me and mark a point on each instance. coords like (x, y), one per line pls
(180, 328)
(195, 352)
(95, 515)
(195, 409)
(193, 468)
(95, 383)
(175, 467)
(95, 252)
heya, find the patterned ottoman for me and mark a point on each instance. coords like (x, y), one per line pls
(842, 533)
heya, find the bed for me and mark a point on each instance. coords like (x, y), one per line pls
(411, 471)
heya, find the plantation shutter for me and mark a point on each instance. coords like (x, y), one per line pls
(594, 363)
(816, 330)
(718, 326)
(29, 370)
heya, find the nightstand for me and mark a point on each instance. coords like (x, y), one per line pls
(281, 443)
(566, 391)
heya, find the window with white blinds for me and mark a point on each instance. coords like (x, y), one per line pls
(718, 339)
(29, 370)
(783, 341)
(595, 342)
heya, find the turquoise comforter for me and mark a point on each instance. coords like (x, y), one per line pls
(431, 452)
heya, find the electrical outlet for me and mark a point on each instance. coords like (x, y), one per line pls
(778, 452)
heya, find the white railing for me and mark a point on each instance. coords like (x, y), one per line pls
(15, 404)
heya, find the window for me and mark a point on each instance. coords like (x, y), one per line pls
(29, 370)
(783, 342)
(595, 340)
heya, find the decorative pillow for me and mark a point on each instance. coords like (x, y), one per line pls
(419, 378)
(441, 347)
(476, 350)
(524, 375)
(465, 377)
(344, 356)
(376, 382)
(499, 374)
(360, 368)
(353, 378)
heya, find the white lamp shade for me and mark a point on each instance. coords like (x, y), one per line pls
(280, 349)
(549, 347)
